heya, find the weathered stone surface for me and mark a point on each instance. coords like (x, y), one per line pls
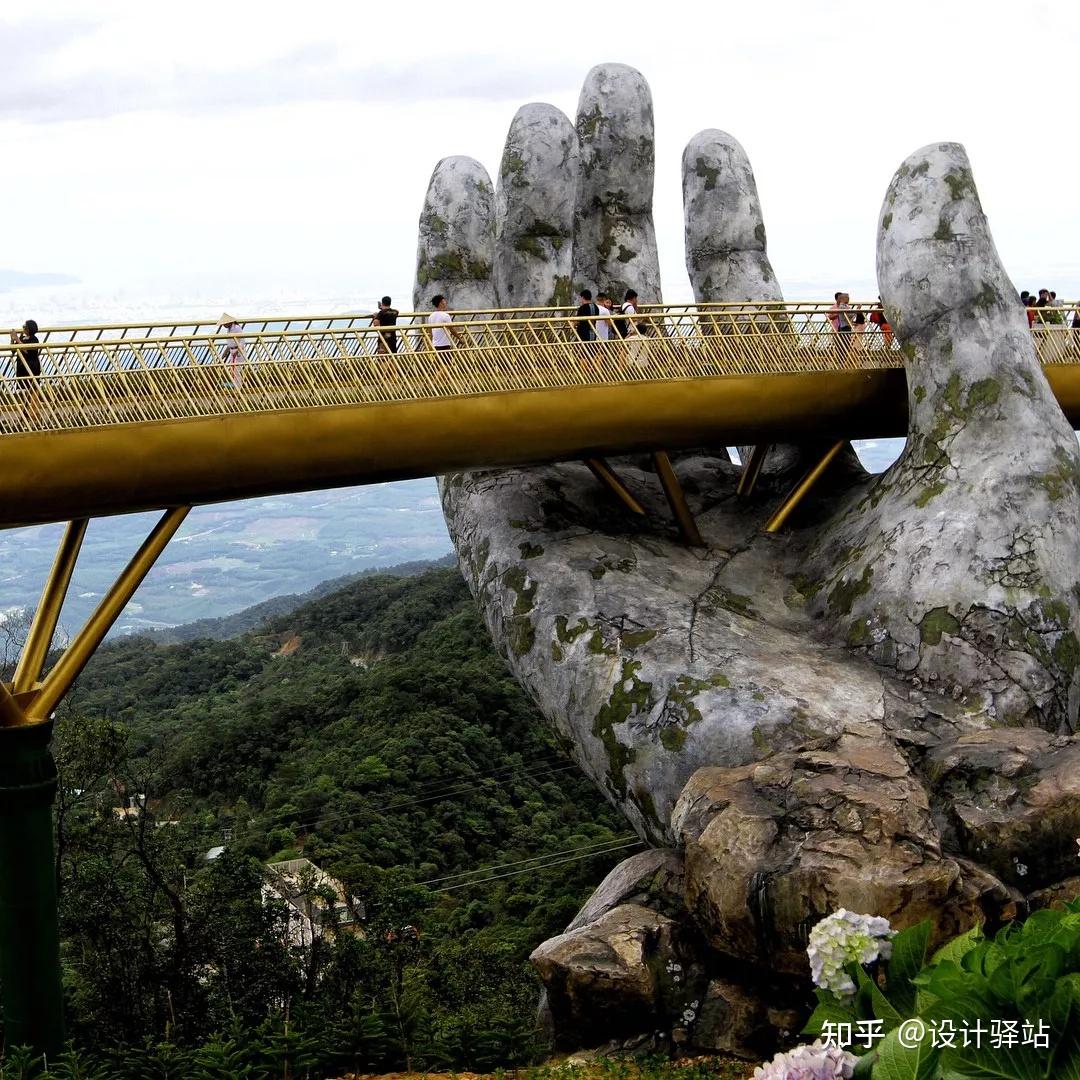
(1012, 801)
(724, 227)
(611, 979)
(960, 563)
(455, 251)
(651, 878)
(649, 658)
(534, 220)
(733, 1020)
(773, 847)
(1064, 892)
(614, 237)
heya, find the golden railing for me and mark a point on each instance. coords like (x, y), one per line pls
(118, 379)
(256, 324)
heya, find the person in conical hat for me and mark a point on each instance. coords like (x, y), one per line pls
(234, 351)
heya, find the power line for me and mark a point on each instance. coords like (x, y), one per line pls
(545, 866)
(519, 862)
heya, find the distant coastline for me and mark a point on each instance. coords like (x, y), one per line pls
(19, 279)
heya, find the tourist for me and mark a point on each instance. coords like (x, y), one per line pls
(236, 350)
(841, 322)
(27, 361)
(442, 333)
(584, 317)
(878, 319)
(1032, 310)
(386, 316)
(630, 329)
(603, 321)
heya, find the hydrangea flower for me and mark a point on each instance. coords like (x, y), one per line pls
(812, 1062)
(844, 937)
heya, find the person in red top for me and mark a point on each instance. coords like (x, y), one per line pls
(877, 318)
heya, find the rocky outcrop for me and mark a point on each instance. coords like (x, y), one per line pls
(874, 711)
(534, 230)
(614, 236)
(456, 246)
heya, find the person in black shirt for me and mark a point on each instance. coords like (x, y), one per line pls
(27, 361)
(386, 316)
(586, 314)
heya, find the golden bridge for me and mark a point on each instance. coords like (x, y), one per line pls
(136, 417)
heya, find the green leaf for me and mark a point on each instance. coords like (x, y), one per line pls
(954, 950)
(908, 957)
(987, 1063)
(899, 1062)
(880, 1006)
(829, 1009)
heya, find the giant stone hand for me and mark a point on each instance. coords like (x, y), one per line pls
(874, 711)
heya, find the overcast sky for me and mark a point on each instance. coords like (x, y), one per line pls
(283, 149)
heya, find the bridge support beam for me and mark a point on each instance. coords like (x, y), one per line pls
(29, 927)
(610, 479)
(795, 496)
(677, 499)
(752, 469)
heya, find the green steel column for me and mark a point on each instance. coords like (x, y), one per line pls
(29, 928)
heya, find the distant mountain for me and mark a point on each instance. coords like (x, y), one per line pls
(230, 626)
(19, 279)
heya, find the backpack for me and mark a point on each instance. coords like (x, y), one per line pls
(622, 326)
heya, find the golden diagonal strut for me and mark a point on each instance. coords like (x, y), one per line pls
(613, 482)
(42, 629)
(677, 500)
(68, 668)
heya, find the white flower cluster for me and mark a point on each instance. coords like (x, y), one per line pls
(813, 1062)
(841, 938)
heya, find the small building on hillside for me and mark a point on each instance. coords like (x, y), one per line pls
(315, 902)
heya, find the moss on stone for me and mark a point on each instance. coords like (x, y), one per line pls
(516, 578)
(886, 221)
(529, 245)
(566, 634)
(707, 172)
(944, 231)
(919, 392)
(1060, 481)
(530, 551)
(845, 592)
(597, 645)
(960, 183)
(673, 739)
(759, 234)
(732, 601)
(625, 254)
(560, 294)
(859, 633)
(520, 634)
(931, 491)
(921, 169)
(629, 695)
(934, 623)
(982, 394)
(631, 639)
(557, 653)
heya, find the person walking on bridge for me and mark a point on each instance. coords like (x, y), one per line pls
(384, 317)
(235, 351)
(442, 333)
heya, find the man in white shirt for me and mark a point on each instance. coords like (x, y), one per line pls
(442, 332)
(603, 322)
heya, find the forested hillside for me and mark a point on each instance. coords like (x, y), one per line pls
(373, 731)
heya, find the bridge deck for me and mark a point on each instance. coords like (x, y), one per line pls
(131, 418)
